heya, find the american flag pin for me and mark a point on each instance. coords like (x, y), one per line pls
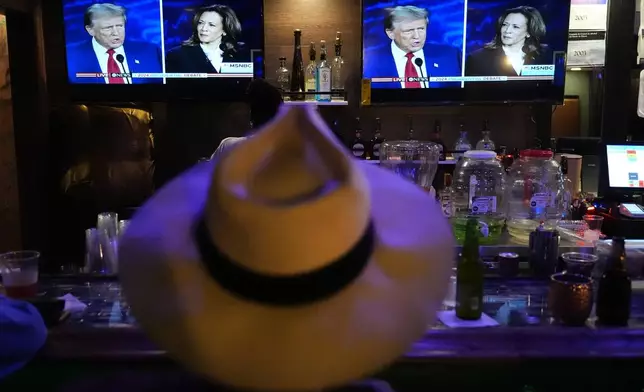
(138, 62)
(435, 65)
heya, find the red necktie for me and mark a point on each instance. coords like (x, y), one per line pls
(112, 68)
(410, 72)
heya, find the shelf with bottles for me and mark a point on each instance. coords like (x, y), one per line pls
(318, 83)
(315, 98)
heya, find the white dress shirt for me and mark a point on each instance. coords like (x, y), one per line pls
(517, 59)
(102, 57)
(216, 56)
(400, 57)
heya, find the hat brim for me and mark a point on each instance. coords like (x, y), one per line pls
(254, 346)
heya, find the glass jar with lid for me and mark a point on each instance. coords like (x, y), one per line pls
(478, 189)
(535, 194)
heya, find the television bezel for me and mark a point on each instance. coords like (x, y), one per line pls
(157, 92)
(477, 94)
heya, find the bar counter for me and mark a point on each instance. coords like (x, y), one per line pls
(526, 347)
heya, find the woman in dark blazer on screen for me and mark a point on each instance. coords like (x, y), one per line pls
(214, 41)
(519, 32)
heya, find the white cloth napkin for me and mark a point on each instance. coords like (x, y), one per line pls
(448, 317)
(73, 304)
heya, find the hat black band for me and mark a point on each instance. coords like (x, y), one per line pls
(290, 290)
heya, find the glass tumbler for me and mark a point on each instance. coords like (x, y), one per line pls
(19, 272)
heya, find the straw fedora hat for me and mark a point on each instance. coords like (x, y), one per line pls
(287, 265)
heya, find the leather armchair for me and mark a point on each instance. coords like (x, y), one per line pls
(100, 160)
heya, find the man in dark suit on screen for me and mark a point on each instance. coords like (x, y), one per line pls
(409, 56)
(108, 52)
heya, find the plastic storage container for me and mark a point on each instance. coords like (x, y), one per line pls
(478, 189)
(534, 194)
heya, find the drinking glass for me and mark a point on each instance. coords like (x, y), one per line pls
(579, 263)
(108, 222)
(19, 272)
(414, 160)
(594, 222)
(570, 298)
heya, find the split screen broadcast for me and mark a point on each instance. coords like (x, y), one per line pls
(447, 44)
(156, 41)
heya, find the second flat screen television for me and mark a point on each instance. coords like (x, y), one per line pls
(164, 49)
(461, 51)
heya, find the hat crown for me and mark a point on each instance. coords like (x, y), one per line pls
(288, 200)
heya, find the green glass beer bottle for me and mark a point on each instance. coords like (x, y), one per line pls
(469, 276)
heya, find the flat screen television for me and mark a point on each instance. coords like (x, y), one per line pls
(129, 50)
(625, 167)
(464, 51)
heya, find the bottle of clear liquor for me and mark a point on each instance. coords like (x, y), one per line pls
(324, 75)
(337, 79)
(569, 191)
(310, 74)
(486, 143)
(376, 141)
(358, 144)
(445, 195)
(462, 144)
(283, 77)
(297, 75)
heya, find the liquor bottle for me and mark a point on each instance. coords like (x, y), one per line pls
(462, 144)
(376, 141)
(614, 292)
(410, 128)
(445, 195)
(335, 128)
(324, 75)
(283, 76)
(311, 74)
(486, 143)
(436, 138)
(337, 79)
(297, 74)
(469, 276)
(358, 145)
(569, 191)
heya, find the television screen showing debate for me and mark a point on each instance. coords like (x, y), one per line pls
(453, 44)
(162, 42)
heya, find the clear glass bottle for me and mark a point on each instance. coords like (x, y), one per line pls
(283, 76)
(568, 188)
(445, 195)
(337, 78)
(323, 75)
(478, 189)
(462, 144)
(310, 73)
(534, 194)
(486, 143)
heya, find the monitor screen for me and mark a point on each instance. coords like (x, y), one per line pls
(465, 50)
(183, 44)
(625, 166)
